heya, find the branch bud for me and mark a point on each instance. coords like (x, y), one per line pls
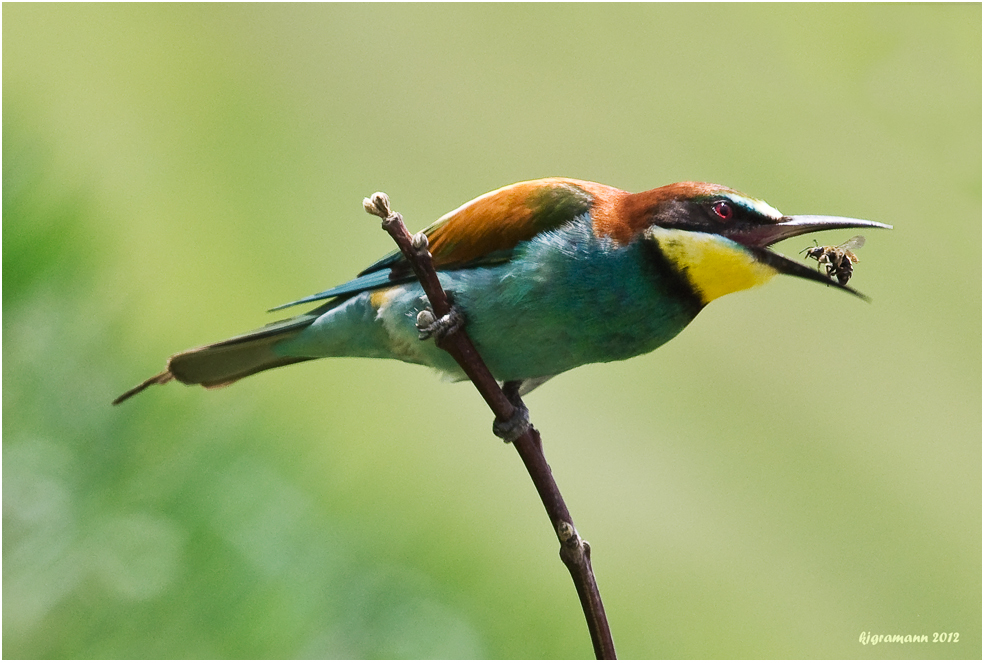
(566, 532)
(378, 205)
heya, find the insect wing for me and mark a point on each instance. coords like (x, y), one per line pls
(856, 242)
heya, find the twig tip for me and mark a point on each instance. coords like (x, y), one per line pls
(378, 205)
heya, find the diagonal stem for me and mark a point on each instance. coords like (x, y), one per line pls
(575, 552)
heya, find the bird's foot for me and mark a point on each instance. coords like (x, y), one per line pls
(511, 429)
(439, 328)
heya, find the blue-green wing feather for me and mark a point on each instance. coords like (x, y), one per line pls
(372, 281)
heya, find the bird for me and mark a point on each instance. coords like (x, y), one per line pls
(548, 274)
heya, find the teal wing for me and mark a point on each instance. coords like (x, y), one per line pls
(365, 281)
(483, 231)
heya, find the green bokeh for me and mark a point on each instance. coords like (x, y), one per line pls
(795, 469)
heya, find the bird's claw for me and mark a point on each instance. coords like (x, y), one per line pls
(439, 328)
(511, 429)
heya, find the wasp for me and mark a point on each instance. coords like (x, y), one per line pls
(837, 260)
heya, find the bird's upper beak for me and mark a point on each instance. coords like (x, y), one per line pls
(759, 236)
(767, 234)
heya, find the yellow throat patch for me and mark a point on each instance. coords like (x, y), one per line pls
(713, 265)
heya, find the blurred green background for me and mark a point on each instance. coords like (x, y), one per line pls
(798, 467)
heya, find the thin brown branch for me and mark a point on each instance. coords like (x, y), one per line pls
(575, 552)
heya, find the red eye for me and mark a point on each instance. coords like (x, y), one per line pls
(723, 210)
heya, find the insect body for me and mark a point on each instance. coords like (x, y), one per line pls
(837, 260)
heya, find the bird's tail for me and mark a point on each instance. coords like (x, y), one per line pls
(223, 363)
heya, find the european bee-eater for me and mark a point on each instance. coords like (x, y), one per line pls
(549, 274)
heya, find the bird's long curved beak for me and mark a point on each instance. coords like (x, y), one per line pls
(758, 237)
(792, 226)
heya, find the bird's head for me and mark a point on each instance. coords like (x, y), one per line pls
(719, 238)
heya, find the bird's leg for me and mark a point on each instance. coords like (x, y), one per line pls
(512, 428)
(439, 328)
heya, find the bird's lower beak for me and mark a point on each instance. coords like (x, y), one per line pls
(758, 237)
